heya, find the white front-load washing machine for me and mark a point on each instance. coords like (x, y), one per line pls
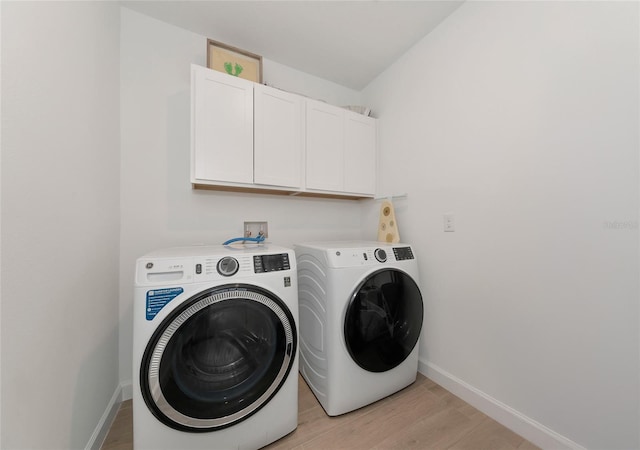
(215, 346)
(361, 315)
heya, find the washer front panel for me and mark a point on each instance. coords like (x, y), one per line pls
(219, 358)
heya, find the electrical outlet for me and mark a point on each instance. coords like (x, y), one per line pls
(255, 229)
(449, 222)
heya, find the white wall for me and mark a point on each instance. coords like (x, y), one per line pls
(283, 77)
(0, 226)
(158, 206)
(60, 193)
(522, 119)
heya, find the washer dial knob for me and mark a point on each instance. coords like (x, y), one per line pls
(227, 266)
(380, 255)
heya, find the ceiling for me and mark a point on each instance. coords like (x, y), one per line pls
(347, 42)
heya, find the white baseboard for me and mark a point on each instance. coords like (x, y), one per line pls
(123, 392)
(127, 390)
(526, 427)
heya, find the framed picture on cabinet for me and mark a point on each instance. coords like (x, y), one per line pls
(234, 61)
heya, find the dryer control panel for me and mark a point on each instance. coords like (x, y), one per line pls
(402, 253)
(371, 256)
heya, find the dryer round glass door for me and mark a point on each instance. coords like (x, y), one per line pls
(383, 320)
(218, 358)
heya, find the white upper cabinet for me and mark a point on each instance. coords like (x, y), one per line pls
(278, 143)
(222, 122)
(360, 137)
(251, 137)
(340, 150)
(324, 145)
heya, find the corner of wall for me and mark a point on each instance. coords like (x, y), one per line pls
(104, 424)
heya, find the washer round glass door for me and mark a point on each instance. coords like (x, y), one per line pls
(383, 320)
(218, 358)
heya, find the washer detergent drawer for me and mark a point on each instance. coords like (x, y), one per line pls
(153, 272)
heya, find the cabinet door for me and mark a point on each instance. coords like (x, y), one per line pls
(359, 154)
(278, 141)
(222, 127)
(324, 145)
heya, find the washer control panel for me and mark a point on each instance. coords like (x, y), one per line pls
(227, 266)
(179, 266)
(271, 263)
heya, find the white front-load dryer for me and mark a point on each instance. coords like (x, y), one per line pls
(361, 315)
(215, 347)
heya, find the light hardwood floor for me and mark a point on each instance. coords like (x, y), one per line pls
(422, 416)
